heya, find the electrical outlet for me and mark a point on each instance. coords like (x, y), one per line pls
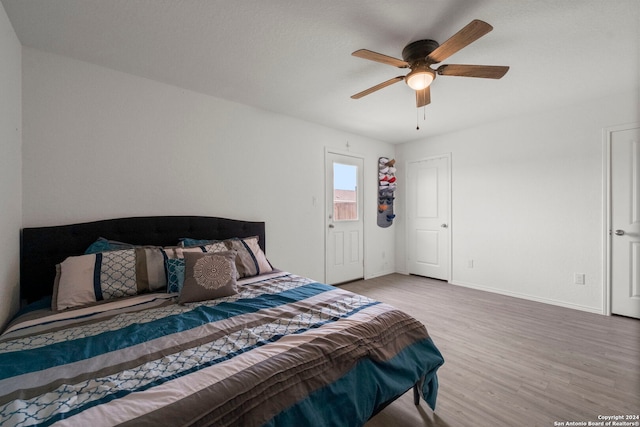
(470, 263)
(578, 278)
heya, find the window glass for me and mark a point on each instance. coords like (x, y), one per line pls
(345, 192)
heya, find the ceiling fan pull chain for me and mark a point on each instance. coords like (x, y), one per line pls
(424, 116)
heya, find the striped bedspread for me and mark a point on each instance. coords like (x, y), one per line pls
(284, 351)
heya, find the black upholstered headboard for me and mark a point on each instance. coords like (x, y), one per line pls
(44, 247)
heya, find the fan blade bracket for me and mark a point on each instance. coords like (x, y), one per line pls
(480, 71)
(379, 57)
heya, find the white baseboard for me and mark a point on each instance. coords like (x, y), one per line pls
(378, 274)
(510, 294)
(529, 297)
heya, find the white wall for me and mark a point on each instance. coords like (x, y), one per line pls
(527, 201)
(102, 144)
(10, 167)
(527, 192)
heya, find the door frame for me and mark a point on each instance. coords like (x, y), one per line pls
(607, 134)
(339, 152)
(449, 229)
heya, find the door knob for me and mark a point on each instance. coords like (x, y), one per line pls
(331, 226)
(444, 226)
(619, 232)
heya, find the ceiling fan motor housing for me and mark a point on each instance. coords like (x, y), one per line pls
(418, 50)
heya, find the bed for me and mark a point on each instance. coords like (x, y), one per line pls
(236, 343)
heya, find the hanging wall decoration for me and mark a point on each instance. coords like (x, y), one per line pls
(386, 190)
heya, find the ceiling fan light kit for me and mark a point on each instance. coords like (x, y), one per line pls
(420, 77)
(419, 55)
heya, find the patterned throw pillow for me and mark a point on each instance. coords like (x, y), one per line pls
(187, 242)
(103, 245)
(250, 260)
(150, 260)
(252, 245)
(245, 261)
(175, 275)
(85, 279)
(208, 276)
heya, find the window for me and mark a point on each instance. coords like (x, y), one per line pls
(345, 192)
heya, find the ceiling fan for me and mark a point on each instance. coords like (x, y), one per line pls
(420, 55)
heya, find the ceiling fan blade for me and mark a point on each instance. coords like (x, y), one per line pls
(423, 97)
(470, 33)
(483, 71)
(377, 87)
(378, 57)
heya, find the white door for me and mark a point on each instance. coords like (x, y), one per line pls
(344, 238)
(625, 222)
(428, 194)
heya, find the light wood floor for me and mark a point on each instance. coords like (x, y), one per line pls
(512, 362)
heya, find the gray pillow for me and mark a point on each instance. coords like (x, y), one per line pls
(208, 276)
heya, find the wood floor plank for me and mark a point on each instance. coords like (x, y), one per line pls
(510, 361)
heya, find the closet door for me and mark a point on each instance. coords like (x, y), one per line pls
(428, 195)
(625, 222)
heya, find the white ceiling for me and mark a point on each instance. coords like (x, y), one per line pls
(294, 57)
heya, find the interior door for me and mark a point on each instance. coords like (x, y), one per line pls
(625, 222)
(428, 195)
(344, 239)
